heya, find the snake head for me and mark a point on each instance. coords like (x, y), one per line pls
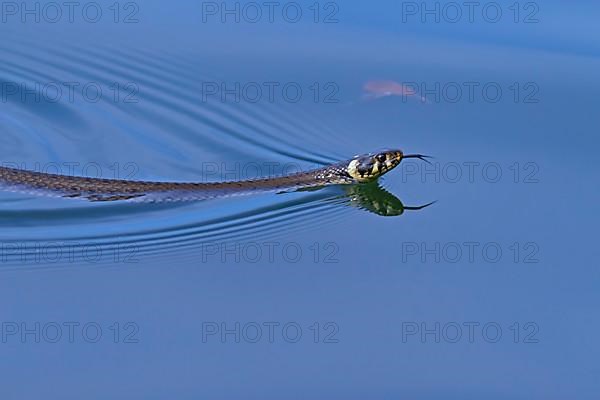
(369, 167)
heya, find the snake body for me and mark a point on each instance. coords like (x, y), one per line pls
(363, 168)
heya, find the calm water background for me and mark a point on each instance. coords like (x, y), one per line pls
(205, 300)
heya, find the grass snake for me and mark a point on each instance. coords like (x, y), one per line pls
(360, 169)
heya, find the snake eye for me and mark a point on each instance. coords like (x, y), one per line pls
(381, 158)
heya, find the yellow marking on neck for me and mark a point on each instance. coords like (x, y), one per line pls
(375, 170)
(353, 170)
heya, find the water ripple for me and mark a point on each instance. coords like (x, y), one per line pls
(168, 133)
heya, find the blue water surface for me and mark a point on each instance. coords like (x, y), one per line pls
(491, 292)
